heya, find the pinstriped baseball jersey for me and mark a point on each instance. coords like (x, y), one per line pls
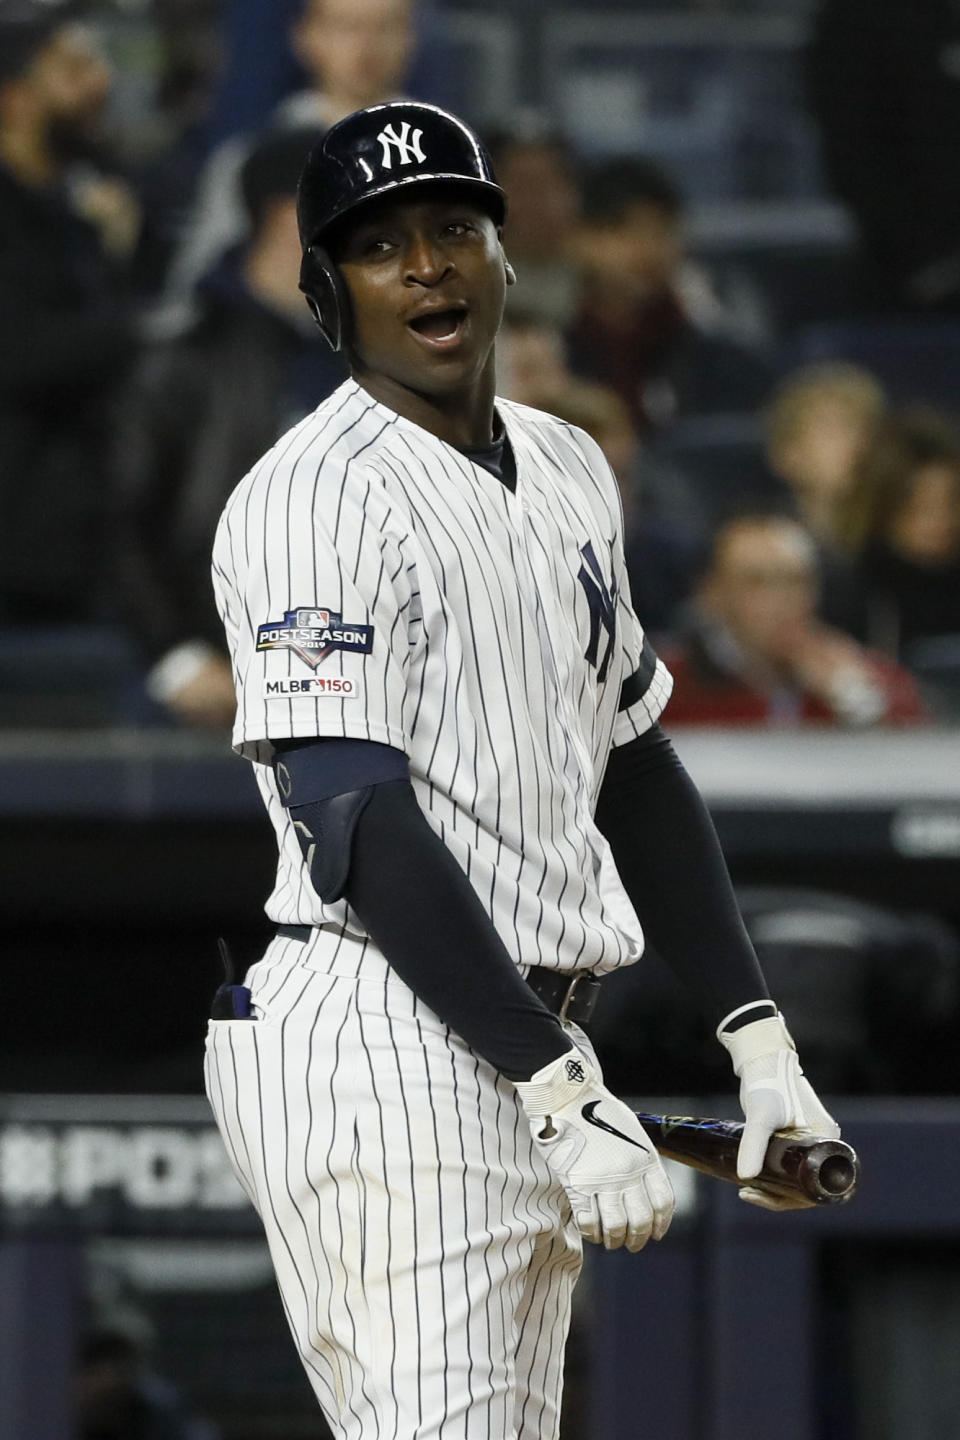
(375, 583)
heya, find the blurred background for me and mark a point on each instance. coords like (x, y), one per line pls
(736, 228)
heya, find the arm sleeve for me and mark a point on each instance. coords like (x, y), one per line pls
(669, 859)
(422, 912)
(418, 906)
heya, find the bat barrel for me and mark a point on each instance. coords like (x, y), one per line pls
(815, 1170)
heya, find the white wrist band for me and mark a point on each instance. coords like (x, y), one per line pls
(742, 1010)
(762, 1037)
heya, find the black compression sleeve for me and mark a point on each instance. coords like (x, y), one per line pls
(669, 858)
(420, 909)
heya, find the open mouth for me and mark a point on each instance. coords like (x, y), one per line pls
(439, 325)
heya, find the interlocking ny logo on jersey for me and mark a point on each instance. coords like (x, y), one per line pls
(408, 146)
(313, 634)
(603, 610)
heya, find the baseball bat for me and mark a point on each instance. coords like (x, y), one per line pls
(807, 1169)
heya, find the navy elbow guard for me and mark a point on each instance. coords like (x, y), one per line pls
(326, 784)
(325, 830)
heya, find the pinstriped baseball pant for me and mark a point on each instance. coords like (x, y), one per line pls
(425, 1257)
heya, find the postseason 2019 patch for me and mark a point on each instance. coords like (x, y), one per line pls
(313, 633)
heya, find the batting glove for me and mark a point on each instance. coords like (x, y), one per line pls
(774, 1095)
(599, 1152)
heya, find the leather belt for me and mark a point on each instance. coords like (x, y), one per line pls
(569, 995)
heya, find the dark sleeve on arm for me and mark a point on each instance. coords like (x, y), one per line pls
(669, 858)
(421, 911)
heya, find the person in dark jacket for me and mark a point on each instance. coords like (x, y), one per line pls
(883, 80)
(66, 330)
(649, 322)
(200, 409)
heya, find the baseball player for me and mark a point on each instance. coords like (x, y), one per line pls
(451, 711)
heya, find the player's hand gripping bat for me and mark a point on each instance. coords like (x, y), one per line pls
(799, 1168)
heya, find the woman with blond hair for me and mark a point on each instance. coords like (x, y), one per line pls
(901, 520)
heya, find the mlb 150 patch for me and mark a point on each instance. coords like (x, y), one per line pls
(313, 633)
(340, 687)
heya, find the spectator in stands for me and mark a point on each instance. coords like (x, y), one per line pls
(199, 411)
(171, 150)
(537, 169)
(531, 360)
(648, 322)
(755, 653)
(533, 370)
(901, 520)
(884, 86)
(355, 53)
(818, 426)
(67, 331)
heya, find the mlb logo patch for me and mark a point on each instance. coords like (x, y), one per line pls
(318, 687)
(313, 617)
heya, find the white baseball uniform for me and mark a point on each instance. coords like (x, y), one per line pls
(375, 583)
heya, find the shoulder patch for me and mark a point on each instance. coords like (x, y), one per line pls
(312, 633)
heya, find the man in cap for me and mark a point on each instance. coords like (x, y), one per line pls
(451, 712)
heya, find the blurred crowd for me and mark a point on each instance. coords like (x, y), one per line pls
(789, 464)
(792, 515)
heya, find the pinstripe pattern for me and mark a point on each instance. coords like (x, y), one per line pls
(423, 1252)
(425, 1256)
(478, 669)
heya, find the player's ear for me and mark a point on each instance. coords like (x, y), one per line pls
(508, 269)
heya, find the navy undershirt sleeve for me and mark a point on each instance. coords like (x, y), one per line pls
(671, 865)
(419, 908)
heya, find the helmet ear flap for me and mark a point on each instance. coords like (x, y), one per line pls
(326, 295)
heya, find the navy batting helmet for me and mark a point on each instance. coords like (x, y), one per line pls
(373, 153)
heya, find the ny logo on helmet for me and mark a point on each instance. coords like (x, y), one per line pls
(408, 146)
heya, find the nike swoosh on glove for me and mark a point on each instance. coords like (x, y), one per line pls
(774, 1095)
(597, 1149)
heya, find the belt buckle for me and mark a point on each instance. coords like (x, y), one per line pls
(568, 998)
